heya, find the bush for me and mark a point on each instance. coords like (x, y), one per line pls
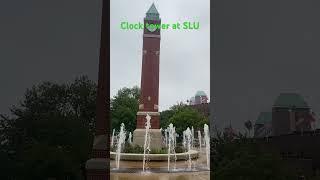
(180, 149)
(128, 148)
(159, 151)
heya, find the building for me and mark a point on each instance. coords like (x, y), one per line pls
(290, 113)
(290, 129)
(200, 103)
(263, 125)
(199, 98)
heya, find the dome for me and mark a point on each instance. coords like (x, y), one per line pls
(200, 93)
(264, 118)
(290, 100)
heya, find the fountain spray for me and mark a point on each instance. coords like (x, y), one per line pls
(192, 137)
(146, 146)
(188, 136)
(199, 137)
(174, 138)
(184, 140)
(169, 130)
(166, 137)
(207, 140)
(112, 138)
(130, 138)
(121, 140)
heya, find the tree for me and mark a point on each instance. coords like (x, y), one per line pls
(51, 133)
(185, 117)
(164, 118)
(243, 158)
(124, 108)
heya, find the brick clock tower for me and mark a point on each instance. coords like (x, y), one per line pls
(149, 97)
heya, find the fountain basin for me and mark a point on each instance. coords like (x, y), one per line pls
(156, 157)
(204, 175)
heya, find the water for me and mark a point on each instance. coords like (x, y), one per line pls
(171, 145)
(174, 137)
(121, 141)
(184, 139)
(146, 147)
(166, 137)
(207, 142)
(199, 137)
(112, 138)
(130, 138)
(189, 139)
(192, 137)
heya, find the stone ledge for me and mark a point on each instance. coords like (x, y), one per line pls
(155, 157)
(140, 113)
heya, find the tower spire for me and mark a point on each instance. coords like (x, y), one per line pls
(152, 13)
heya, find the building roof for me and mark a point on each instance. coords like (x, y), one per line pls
(200, 93)
(264, 118)
(152, 13)
(290, 100)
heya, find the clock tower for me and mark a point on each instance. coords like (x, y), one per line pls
(149, 97)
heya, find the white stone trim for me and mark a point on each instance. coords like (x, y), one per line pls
(150, 113)
(151, 36)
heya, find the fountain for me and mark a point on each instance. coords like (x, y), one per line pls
(207, 142)
(155, 163)
(112, 138)
(199, 138)
(171, 145)
(184, 139)
(192, 137)
(189, 139)
(166, 137)
(130, 138)
(146, 147)
(170, 128)
(157, 166)
(121, 141)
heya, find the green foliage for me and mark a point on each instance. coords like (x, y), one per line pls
(159, 151)
(182, 116)
(185, 117)
(243, 158)
(124, 108)
(51, 133)
(180, 149)
(128, 148)
(136, 149)
(164, 118)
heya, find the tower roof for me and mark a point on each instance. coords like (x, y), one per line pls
(290, 100)
(152, 13)
(200, 93)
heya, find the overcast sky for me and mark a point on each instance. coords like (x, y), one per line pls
(46, 41)
(263, 48)
(59, 40)
(184, 54)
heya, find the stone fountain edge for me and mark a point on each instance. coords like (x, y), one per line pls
(156, 157)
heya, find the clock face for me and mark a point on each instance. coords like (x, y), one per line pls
(151, 27)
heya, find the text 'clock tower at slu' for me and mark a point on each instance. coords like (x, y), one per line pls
(149, 97)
